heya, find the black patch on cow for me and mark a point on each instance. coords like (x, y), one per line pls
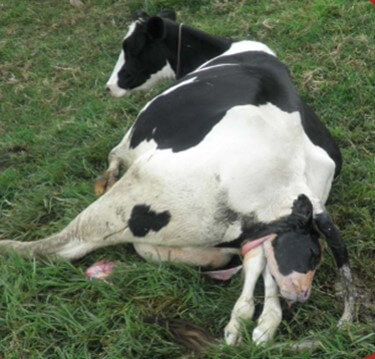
(143, 220)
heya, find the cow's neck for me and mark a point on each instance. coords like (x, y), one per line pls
(195, 49)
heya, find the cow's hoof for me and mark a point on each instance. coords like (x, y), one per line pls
(104, 183)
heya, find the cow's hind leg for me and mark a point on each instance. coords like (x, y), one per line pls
(253, 265)
(103, 223)
(63, 245)
(59, 246)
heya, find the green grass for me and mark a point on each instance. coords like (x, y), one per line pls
(57, 126)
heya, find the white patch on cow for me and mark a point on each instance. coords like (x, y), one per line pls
(242, 46)
(175, 87)
(320, 169)
(263, 168)
(201, 69)
(132, 28)
(166, 73)
(247, 45)
(115, 90)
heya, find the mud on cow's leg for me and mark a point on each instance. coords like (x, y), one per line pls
(104, 182)
(270, 318)
(253, 265)
(116, 159)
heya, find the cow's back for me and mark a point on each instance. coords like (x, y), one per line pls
(183, 115)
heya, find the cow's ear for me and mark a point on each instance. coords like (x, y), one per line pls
(155, 27)
(303, 209)
(168, 14)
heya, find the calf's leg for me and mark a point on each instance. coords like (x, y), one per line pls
(253, 265)
(271, 315)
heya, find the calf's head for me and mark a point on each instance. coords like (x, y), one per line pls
(293, 251)
(143, 59)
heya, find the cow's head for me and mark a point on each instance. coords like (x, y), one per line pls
(143, 59)
(293, 251)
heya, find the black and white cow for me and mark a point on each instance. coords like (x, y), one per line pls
(229, 160)
(158, 48)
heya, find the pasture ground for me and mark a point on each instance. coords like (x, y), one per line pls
(57, 126)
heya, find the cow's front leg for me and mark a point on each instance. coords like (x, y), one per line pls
(253, 265)
(116, 158)
(271, 315)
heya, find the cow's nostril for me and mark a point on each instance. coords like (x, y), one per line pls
(107, 89)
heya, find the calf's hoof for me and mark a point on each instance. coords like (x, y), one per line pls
(104, 182)
(232, 334)
(260, 335)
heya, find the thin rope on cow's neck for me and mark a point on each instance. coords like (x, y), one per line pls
(179, 51)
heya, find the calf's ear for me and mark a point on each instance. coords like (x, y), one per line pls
(155, 28)
(168, 14)
(303, 209)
